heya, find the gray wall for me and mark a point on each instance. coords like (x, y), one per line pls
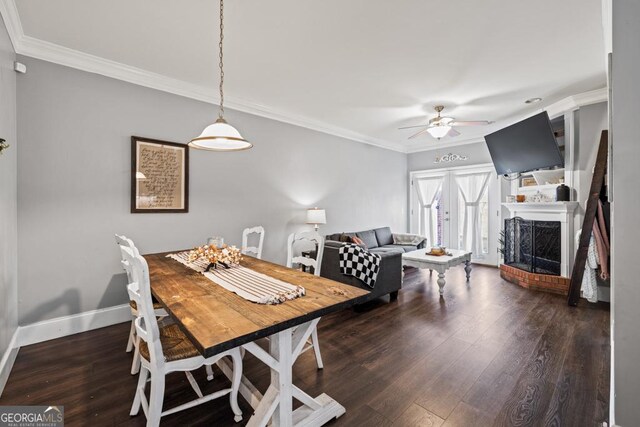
(626, 209)
(8, 203)
(477, 153)
(592, 120)
(73, 182)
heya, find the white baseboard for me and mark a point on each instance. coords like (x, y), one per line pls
(69, 325)
(6, 363)
(57, 328)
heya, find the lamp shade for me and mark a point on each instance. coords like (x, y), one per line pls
(316, 216)
(220, 136)
(439, 131)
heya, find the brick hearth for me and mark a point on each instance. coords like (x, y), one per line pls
(537, 282)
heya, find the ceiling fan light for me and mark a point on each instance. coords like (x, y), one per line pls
(439, 131)
(220, 136)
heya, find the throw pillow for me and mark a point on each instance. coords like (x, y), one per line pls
(358, 241)
(345, 238)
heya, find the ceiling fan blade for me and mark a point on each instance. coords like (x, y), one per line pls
(415, 135)
(411, 127)
(470, 123)
(453, 133)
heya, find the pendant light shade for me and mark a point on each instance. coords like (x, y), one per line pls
(220, 136)
(439, 131)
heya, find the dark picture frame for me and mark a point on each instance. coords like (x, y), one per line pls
(166, 188)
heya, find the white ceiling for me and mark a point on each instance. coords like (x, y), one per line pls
(360, 67)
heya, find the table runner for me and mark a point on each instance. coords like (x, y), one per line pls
(246, 283)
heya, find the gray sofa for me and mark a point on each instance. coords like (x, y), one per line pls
(378, 241)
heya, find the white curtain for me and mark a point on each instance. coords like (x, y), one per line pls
(428, 190)
(472, 188)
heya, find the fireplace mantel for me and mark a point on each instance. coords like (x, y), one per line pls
(550, 207)
(551, 211)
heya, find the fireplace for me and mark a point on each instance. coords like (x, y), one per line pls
(533, 246)
(539, 245)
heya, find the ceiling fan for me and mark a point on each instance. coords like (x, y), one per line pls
(439, 127)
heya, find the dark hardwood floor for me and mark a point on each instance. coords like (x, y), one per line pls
(488, 353)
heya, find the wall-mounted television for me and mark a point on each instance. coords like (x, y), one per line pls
(524, 146)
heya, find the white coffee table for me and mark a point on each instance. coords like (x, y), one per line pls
(420, 259)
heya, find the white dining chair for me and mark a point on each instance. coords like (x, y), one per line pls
(246, 249)
(133, 342)
(313, 238)
(166, 349)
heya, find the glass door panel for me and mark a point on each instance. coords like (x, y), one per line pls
(440, 214)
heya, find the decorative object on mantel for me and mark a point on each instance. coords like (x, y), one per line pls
(245, 282)
(316, 216)
(3, 145)
(540, 197)
(220, 136)
(159, 176)
(563, 193)
(528, 181)
(520, 198)
(448, 158)
(511, 199)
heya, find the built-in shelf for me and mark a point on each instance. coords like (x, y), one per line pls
(549, 178)
(534, 188)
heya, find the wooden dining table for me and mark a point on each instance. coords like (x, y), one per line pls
(216, 320)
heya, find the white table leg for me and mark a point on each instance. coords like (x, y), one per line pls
(441, 283)
(467, 269)
(282, 378)
(277, 404)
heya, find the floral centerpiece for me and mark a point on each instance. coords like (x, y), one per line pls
(225, 255)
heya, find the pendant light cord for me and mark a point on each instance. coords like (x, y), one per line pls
(221, 64)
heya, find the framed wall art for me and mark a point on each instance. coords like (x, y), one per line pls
(159, 176)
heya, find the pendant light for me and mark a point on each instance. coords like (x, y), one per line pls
(220, 136)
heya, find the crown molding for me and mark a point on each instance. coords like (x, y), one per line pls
(51, 52)
(11, 19)
(43, 50)
(572, 103)
(445, 144)
(592, 97)
(39, 49)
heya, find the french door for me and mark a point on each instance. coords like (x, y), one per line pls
(459, 209)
